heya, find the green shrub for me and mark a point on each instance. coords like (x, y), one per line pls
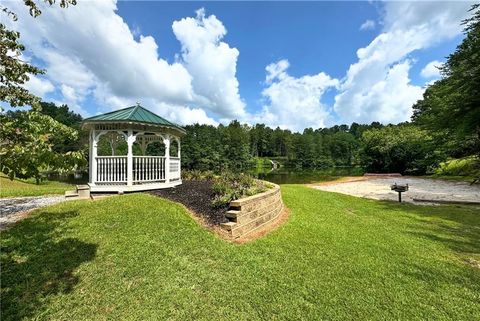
(231, 186)
(468, 166)
(198, 175)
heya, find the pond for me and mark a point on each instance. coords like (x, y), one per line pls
(285, 175)
(70, 178)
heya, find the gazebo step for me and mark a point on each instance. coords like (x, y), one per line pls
(77, 195)
(83, 191)
(71, 194)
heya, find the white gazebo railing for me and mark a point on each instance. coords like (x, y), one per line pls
(148, 169)
(174, 168)
(111, 169)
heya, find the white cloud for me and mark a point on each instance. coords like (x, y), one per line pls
(377, 86)
(368, 25)
(440, 19)
(294, 103)
(211, 62)
(184, 115)
(388, 100)
(277, 70)
(88, 49)
(39, 86)
(431, 70)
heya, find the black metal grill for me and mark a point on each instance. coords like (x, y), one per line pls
(399, 189)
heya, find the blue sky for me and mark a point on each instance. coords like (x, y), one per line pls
(287, 64)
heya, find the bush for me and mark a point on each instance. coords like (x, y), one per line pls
(198, 175)
(468, 166)
(230, 186)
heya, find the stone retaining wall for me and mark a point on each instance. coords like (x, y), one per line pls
(254, 212)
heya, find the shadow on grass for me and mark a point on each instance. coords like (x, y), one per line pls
(38, 262)
(457, 227)
(454, 228)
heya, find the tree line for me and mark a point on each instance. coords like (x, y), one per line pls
(406, 148)
(401, 148)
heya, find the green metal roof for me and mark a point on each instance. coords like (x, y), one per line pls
(137, 114)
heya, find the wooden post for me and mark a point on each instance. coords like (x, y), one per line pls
(130, 141)
(166, 141)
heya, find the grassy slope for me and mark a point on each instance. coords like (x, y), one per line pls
(9, 188)
(137, 257)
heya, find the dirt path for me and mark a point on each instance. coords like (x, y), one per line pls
(420, 188)
(14, 209)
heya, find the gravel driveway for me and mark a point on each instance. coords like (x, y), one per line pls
(420, 188)
(14, 209)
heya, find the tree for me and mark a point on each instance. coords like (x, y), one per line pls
(343, 147)
(26, 147)
(64, 115)
(451, 106)
(201, 148)
(258, 140)
(236, 144)
(398, 148)
(14, 72)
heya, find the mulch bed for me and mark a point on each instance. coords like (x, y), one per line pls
(197, 195)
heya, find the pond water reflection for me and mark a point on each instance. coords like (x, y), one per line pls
(70, 178)
(286, 175)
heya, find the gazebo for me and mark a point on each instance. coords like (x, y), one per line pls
(122, 137)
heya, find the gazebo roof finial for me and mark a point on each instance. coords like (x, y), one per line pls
(138, 103)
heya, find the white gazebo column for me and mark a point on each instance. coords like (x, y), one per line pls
(93, 157)
(179, 159)
(179, 149)
(130, 141)
(166, 142)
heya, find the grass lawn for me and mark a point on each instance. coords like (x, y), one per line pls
(138, 257)
(17, 188)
